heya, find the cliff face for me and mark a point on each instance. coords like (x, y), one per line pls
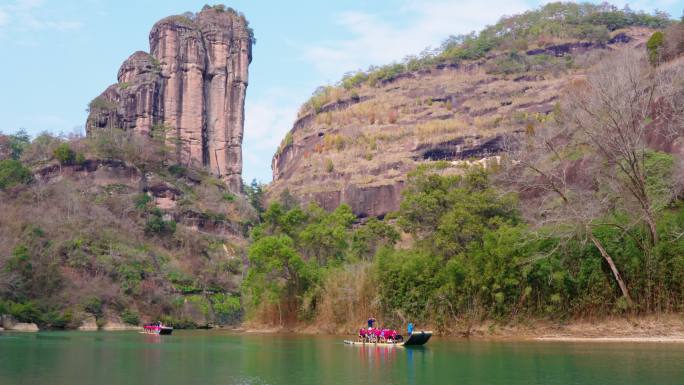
(357, 145)
(191, 86)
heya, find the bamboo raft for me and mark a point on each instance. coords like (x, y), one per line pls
(416, 339)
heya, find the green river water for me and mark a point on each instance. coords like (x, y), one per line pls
(217, 357)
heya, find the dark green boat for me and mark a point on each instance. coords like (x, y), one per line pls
(418, 338)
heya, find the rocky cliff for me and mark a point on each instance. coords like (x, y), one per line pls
(190, 88)
(356, 144)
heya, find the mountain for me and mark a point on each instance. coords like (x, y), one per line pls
(143, 219)
(355, 142)
(190, 86)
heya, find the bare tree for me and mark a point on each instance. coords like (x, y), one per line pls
(618, 109)
(593, 159)
(559, 192)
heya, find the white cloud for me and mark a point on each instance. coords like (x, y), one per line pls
(33, 15)
(375, 40)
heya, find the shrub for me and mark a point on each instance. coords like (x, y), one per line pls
(41, 150)
(654, 47)
(508, 64)
(352, 80)
(177, 170)
(286, 142)
(93, 305)
(178, 323)
(674, 41)
(64, 154)
(226, 307)
(141, 201)
(130, 317)
(183, 283)
(25, 312)
(13, 173)
(157, 225)
(100, 103)
(80, 158)
(58, 319)
(329, 165)
(385, 73)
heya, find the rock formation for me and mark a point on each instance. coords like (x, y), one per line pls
(357, 146)
(191, 87)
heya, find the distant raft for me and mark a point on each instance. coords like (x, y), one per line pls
(158, 329)
(415, 339)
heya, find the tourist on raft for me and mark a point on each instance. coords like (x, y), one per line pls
(374, 335)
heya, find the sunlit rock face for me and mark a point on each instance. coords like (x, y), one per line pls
(190, 86)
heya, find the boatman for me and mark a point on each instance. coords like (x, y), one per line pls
(410, 328)
(371, 321)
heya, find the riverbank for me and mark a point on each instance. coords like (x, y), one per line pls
(654, 328)
(650, 329)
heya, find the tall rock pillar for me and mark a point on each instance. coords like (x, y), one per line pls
(192, 85)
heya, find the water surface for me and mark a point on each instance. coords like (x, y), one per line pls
(217, 357)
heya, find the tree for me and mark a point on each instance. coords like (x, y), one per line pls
(616, 110)
(594, 166)
(369, 238)
(12, 173)
(277, 272)
(18, 142)
(325, 238)
(255, 195)
(446, 213)
(64, 154)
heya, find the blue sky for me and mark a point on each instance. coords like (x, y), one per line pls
(56, 55)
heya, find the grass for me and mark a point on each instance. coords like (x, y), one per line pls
(427, 130)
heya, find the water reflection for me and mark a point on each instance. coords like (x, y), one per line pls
(153, 338)
(377, 355)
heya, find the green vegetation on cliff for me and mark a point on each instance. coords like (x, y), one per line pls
(553, 24)
(108, 227)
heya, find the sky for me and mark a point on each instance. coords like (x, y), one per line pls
(57, 55)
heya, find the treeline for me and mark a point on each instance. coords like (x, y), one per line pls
(472, 257)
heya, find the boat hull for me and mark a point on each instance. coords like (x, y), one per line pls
(418, 338)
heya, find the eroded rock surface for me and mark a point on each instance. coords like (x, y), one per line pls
(357, 146)
(89, 324)
(190, 88)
